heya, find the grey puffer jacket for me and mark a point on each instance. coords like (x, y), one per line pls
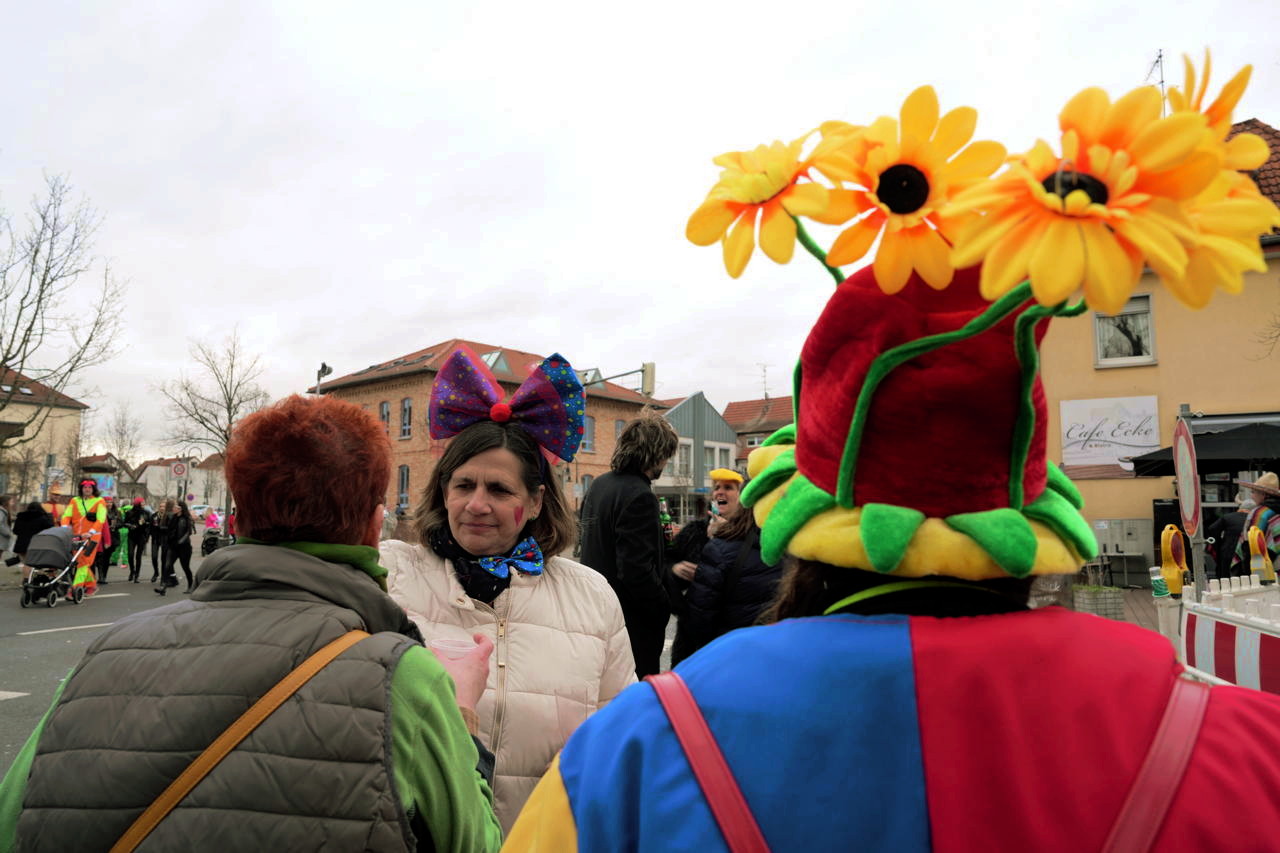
(157, 687)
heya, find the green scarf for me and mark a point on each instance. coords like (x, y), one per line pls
(362, 557)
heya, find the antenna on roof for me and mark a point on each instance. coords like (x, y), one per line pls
(1158, 67)
(764, 377)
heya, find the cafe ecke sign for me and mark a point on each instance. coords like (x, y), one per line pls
(1097, 434)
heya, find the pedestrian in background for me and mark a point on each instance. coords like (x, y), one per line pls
(6, 530)
(32, 520)
(731, 586)
(137, 522)
(1265, 516)
(178, 532)
(622, 535)
(160, 537)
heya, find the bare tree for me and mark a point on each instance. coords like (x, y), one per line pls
(204, 409)
(122, 434)
(53, 322)
(73, 451)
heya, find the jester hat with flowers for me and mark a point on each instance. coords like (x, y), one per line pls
(918, 446)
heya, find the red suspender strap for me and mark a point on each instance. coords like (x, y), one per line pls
(728, 806)
(1144, 810)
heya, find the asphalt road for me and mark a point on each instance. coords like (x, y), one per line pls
(39, 647)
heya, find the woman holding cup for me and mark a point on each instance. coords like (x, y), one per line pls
(491, 525)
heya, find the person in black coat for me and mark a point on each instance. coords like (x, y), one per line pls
(622, 534)
(731, 587)
(160, 537)
(138, 522)
(685, 552)
(1225, 532)
(32, 520)
(178, 529)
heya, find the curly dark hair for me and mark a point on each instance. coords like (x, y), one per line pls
(646, 443)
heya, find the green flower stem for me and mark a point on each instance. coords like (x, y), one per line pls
(1029, 360)
(813, 249)
(890, 360)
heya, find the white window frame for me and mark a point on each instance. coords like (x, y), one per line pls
(588, 444)
(1138, 304)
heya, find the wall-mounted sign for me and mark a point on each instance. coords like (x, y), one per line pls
(1097, 435)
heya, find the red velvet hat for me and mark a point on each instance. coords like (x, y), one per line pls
(919, 443)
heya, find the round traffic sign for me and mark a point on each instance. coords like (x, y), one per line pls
(178, 469)
(1184, 466)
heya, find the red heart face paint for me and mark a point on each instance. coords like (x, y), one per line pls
(519, 515)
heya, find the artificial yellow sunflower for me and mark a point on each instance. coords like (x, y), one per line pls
(903, 171)
(1229, 213)
(1094, 215)
(757, 185)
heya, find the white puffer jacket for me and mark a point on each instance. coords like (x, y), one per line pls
(558, 636)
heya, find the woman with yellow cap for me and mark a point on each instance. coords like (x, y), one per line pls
(730, 585)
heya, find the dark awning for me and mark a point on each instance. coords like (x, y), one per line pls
(1252, 447)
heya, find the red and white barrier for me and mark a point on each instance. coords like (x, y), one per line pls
(1231, 648)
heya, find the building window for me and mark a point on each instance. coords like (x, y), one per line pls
(384, 415)
(588, 434)
(708, 458)
(724, 457)
(406, 417)
(684, 461)
(586, 483)
(618, 427)
(1126, 338)
(402, 499)
(754, 440)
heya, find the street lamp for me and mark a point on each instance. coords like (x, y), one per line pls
(186, 461)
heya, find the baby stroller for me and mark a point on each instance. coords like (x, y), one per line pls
(52, 556)
(209, 543)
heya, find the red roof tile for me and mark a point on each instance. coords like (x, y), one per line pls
(14, 383)
(1267, 177)
(765, 415)
(518, 365)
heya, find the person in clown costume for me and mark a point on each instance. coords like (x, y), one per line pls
(86, 515)
(905, 696)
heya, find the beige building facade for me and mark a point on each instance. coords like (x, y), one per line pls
(44, 430)
(1115, 385)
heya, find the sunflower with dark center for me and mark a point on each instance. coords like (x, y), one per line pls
(1092, 218)
(891, 179)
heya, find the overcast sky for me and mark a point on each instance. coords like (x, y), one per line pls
(352, 182)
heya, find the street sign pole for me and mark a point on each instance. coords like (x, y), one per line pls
(1184, 466)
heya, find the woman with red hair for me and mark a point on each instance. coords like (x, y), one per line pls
(383, 723)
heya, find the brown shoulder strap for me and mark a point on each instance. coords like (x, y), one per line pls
(1144, 810)
(230, 738)
(728, 806)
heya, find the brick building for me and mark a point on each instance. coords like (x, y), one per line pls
(398, 392)
(754, 421)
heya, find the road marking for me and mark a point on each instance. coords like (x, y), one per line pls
(71, 628)
(110, 595)
(5, 694)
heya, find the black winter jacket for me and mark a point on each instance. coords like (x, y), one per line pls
(622, 540)
(722, 596)
(27, 524)
(687, 545)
